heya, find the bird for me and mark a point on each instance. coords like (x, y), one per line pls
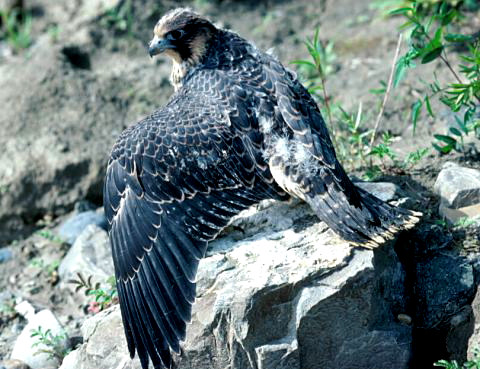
(239, 128)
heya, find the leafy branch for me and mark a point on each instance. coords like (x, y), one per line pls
(103, 297)
(429, 37)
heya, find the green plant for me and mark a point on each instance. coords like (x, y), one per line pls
(414, 157)
(49, 235)
(54, 32)
(7, 310)
(315, 71)
(386, 6)
(16, 28)
(103, 297)
(474, 363)
(48, 268)
(465, 222)
(430, 34)
(54, 345)
(354, 144)
(120, 18)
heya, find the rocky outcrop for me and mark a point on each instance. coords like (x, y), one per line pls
(67, 105)
(459, 191)
(279, 290)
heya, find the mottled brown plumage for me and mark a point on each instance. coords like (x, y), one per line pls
(240, 128)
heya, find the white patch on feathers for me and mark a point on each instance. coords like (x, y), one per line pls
(283, 148)
(265, 124)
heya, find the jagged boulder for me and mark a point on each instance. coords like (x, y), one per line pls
(459, 191)
(279, 290)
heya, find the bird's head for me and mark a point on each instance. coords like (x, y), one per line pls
(183, 35)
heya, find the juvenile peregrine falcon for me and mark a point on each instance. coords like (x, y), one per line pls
(239, 128)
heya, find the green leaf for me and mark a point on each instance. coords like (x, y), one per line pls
(458, 37)
(400, 11)
(455, 131)
(432, 55)
(405, 25)
(449, 17)
(377, 91)
(437, 39)
(303, 62)
(429, 107)
(442, 149)
(461, 124)
(443, 363)
(415, 113)
(399, 72)
(447, 139)
(315, 88)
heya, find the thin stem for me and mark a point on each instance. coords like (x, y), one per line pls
(387, 92)
(327, 106)
(444, 59)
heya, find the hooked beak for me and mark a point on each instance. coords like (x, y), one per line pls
(158, 45)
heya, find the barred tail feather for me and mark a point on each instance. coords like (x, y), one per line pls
(368, 223)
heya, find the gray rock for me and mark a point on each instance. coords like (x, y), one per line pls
(13, 364)
(104, 346)
(24, 349)
(76, 224)
(385, 191)
(458, 186)
(474, 337)
(454, 216)
(460, 329)
(445, 284)
(288, 294)
(89, 255)
(6, 254)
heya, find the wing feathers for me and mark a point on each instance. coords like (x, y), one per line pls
(173, 182)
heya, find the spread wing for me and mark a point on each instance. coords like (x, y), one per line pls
(173, 182)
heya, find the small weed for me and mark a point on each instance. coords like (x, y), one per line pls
(103, 297)
(16, 28)
(54, 32)
(415, 157)
(353, 143)
(50, 270)
(120, 18)
(470, 364)
(4, 189)
(7, 310)
(55, 346)
(316, 70)
(465, 222)
(50, 236)
(442, 223)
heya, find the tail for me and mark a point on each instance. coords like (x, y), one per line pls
(361, 218)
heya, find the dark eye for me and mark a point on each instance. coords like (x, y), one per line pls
(176, 34)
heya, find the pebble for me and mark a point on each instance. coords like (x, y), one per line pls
(6, 254)
(76, 224)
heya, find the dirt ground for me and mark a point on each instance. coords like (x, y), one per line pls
(66, 99)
